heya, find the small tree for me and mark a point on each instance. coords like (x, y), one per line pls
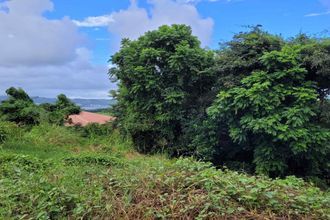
(19, 108)
(66, 106)
(57, 113)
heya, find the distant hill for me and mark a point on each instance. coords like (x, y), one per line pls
(87, 104)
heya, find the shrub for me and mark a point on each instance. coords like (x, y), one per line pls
(8, 130)
(93, 159)
(53, 135)
(96, 130)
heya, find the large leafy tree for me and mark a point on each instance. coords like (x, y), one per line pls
(164, 85)
(235, 60)
(272, 114)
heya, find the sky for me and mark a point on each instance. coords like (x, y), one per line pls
(48, 47)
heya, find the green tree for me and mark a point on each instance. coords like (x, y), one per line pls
(164, 84)
(315, 58)
(19, 108)
(66, 106)
(57, 113)
(235, 60)
(240, 56)
(272, 114)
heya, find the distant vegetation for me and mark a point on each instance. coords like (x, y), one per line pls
(21, 109)
(89, 104)
(257, 104)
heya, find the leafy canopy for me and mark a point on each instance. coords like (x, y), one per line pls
(163, 77)
(273, 111)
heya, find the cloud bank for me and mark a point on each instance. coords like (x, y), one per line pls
(45, 57)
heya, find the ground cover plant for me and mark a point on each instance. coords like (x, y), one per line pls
(104, 178)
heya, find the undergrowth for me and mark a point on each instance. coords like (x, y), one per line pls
(53, 172)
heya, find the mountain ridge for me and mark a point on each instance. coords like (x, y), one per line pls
(86, 104)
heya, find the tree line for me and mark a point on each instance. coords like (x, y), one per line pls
(20, 109)
(259, 103)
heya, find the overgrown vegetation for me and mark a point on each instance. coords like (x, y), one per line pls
(258, 106)
(53, 172)
(259, 103)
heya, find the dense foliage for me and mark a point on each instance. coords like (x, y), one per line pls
(273, 118)
(164, 84)
(21, 109)
(259, 103)
(57, 113)
(53, 172)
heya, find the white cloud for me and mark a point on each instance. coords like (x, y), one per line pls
(46, 56)
(27, 38)
(135, 21)
(78, 78)
(326, 4)
(97, 21)
(317, 14)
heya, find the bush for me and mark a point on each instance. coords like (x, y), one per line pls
(8, 130)
(96, 130)
(93, 159)
(53, 135)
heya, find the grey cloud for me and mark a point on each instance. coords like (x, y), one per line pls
(78, 78)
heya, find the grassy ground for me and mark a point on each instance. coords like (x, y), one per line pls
(53, 172)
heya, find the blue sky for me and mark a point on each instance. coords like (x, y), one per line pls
(62, 46)
(286, 17)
